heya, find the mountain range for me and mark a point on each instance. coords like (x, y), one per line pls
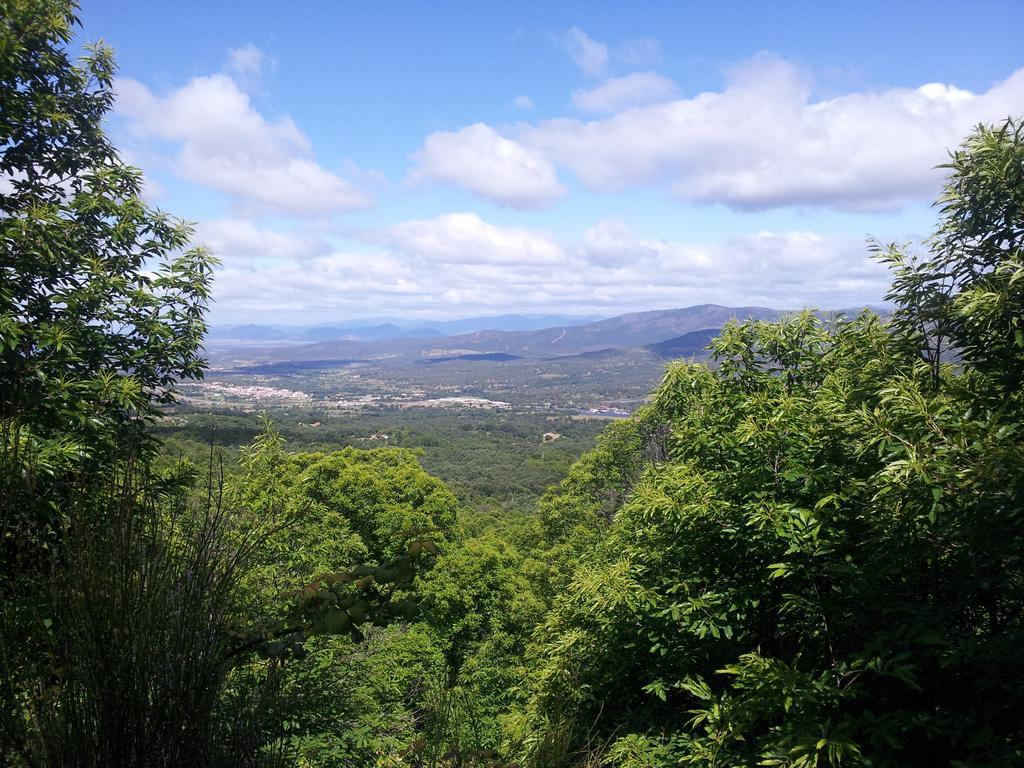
(383, 328)
(663, 333)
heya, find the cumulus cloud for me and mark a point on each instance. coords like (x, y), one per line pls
(610, 243)
(590, 55)
(460, 264)
(479, 159)
(226, 144)
(236, 241)
(778, 269)
(622, 92)
(324, 285)
(762, 141)
(465, 238)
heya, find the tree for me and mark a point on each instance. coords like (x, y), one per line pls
(349, 532)
(825, 567)
(968, 289)
(101, 314)
(101, 301)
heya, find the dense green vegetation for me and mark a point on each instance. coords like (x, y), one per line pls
(461, 447)
(808, 553)
(825, 568)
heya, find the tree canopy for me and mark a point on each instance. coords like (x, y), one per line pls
(101, 298)
(809, 552)
(826, 567)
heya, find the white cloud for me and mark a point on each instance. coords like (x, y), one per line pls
(316, 288)
(241, 241)
(590, 55)
(763, 141)
(465, 238)
(523, 102)
(789, 269)
(227, 145)
(459, 264)
(609, 243)
(246, 61)
(488, 164)
(622, 92)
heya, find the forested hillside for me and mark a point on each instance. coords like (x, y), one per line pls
(808, 551)
(462, 447)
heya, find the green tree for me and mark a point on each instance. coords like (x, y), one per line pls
(966, 291)
(101, 301)
(574, 514)
(112, 587)
(825, 567)
(350, 530)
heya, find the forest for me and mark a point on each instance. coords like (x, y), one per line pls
(459, 447)
(806, 551)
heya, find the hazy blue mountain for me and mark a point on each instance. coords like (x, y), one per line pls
(248, 333)
(381, 329)
(637, 329)
(507, 323)
(693, 344)
(367, 332)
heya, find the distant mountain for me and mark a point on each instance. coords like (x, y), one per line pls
(368, 332)
(247, 333)
(224, 334)
(385, 329)
(507, 323)
(693, 344)
(637, 329)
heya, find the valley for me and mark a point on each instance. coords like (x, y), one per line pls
(601, 368)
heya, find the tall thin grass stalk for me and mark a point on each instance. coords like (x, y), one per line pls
(136, 651)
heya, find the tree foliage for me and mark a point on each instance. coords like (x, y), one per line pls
(826, 567)
(101, 314)
(101, 300)
(808, 553)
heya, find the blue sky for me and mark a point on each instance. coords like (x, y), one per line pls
(353, 160)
